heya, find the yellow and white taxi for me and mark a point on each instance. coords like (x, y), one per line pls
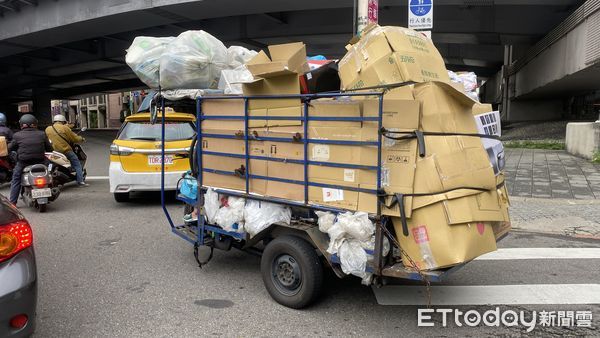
(135, 155)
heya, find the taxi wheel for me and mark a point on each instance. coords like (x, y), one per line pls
(121, 197)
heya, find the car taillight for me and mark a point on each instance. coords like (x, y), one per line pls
(19, 321)
(118, 150)
(14, 237)
(40, 182)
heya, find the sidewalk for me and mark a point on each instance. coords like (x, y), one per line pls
(551, 174)
(576, 218)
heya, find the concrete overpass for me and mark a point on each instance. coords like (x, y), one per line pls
(548, 78)
(65, 48)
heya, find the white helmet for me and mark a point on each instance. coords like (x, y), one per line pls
(59, 118)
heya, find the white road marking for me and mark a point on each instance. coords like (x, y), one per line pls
(96, 178)
(532, 294)
(541, 253)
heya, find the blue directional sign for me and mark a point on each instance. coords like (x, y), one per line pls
(420, 7)
(420, 14)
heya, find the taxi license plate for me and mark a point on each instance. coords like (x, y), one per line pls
(41, 193)
(156, 159)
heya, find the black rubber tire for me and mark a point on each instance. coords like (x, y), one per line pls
(311, 271)
(42, 207)
(121, 197)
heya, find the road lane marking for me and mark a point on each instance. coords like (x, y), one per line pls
(541, 253)
(525, 294)
(96, 178)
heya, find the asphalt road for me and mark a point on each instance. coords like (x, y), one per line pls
(108, 269)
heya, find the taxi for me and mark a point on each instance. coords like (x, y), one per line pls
(135, 155)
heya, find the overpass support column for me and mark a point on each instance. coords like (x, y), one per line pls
(41, 106)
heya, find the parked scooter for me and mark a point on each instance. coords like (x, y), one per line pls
(63, 172)
(36, 186)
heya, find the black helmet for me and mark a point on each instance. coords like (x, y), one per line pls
(28, 120)
(2, 119)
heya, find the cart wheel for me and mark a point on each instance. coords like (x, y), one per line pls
(121, 197)
(292, 271)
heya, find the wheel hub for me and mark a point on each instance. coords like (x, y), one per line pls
(287, 275)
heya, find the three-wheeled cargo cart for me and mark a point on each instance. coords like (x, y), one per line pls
(293, 255)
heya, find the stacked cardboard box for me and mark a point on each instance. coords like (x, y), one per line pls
(455, 206)
(388, 55)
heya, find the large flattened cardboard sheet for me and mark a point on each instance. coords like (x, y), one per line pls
(432, 243)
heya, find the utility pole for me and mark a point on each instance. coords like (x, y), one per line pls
(365, 12)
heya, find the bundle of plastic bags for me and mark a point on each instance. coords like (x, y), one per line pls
(350, 235)
(230, 216)
(231, 79)
(192, 60)
(260, 215)
(143, 57)
(239, 56)
(211, 205)
(469, 82)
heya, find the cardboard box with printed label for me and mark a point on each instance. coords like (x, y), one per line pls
(229, 107)
(277, 75)
(285, 59)
(228, 164)
(433, 244)
(334, 108)
(389, 55)
(333, 196)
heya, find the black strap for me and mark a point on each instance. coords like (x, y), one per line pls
(398, 198)
(57, 133)
(420, 136)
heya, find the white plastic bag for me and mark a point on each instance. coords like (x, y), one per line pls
(231, 79)
(353, 259)
(370, 245)
(143, 57)
(336, 238)
(231, 214)
(326, 220)
(357, 225)
(469, 81)
(260, 215)
(194, 60)
(211, 205)
(238, 56)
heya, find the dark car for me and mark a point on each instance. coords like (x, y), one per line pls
(18, 273)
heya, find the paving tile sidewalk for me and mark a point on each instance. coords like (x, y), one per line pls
(551, 174)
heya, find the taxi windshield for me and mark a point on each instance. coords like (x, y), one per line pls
(145, 131)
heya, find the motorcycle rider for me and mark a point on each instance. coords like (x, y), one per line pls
(4, 130)
(31, 145)
(62, 138)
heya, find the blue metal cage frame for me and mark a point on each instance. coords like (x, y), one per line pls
(201, 230)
